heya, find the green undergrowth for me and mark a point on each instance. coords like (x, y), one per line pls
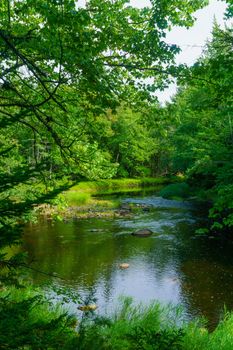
(133, 327)
(83, 192)
(152, 327)
(29, 321)
(177, 191)
(118, 185)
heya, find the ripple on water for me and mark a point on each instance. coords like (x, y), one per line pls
(160, 202)
(168, 266)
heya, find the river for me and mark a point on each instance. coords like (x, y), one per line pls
(174, 265)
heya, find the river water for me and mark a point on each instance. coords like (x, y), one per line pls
(174, 265)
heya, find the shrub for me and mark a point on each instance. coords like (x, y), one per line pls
(27, 321)
(177, 190)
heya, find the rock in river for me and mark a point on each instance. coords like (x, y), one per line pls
(142, 233)
(90, 307)
(124, 266)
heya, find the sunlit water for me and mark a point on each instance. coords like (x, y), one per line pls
(174, 265)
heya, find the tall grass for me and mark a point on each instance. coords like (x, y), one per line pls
(29, 321)
(133, 327)
(197, 338)
(152, 327)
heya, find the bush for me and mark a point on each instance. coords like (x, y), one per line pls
(176, 191)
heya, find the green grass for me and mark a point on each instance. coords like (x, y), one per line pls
(154, 327)
(29, 321)
(77, 198)
(116, 185)
(83, 194)
(85, 201)
(131, 328)
(198, 338)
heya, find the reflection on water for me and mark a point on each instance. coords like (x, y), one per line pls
(173, 265)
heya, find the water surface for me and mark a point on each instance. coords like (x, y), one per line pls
(174, 265)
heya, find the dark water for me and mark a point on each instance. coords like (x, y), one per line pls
(174, 265)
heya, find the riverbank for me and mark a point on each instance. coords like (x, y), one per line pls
(153, 327)
(34, 323)
(84, 199)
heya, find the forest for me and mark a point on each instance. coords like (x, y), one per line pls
(78, 103)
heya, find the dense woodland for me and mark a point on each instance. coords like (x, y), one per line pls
(77, 101)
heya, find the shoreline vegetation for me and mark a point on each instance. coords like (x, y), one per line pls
(35, 323)
(84, 200)
(131, 327)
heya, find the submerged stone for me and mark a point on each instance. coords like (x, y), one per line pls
(125, 206)
(90, 307)
(124, 266)
(142, 233)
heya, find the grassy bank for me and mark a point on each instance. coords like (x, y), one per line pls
(119, 185)
(83, 200)
(154, 328)
(28, 321)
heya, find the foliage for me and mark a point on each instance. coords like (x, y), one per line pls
(28, 321)
(131, 144)
(62, 67)
(152, 327)
(173, 191)
(202, 135)
(74, 104)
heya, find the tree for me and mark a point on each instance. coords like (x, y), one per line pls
(61, 64)
(203, 135)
